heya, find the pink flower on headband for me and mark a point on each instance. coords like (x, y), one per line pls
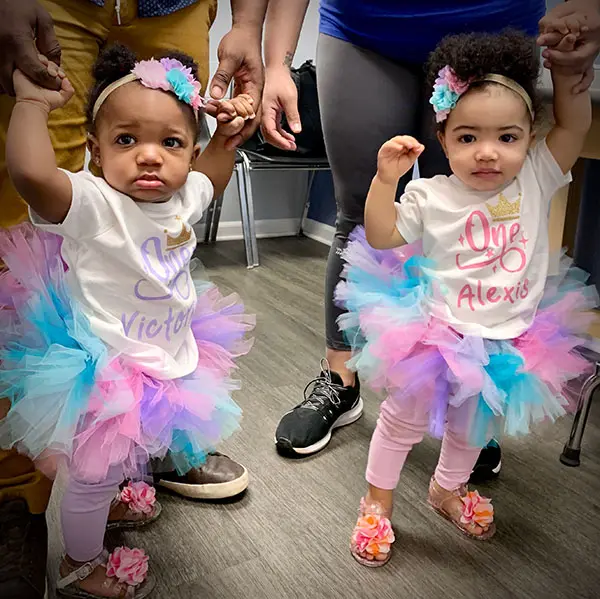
(197, 100)
(173, 63)
(448, 88)
(169, 74)
(450, 78)
(152, 74)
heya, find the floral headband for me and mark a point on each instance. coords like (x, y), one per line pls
(448, 88)
(167, 74)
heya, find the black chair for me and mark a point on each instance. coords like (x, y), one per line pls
(248, 160)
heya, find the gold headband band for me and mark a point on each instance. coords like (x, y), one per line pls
(109, 90)
(129, 78)
(512, 85)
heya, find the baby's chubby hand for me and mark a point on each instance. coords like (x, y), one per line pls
(396, 157)
(28, 91)
(232, 114)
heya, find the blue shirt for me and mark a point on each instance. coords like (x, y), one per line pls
(156, 8)
(408, 30)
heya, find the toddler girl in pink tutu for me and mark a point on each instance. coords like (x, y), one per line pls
(109, 352)
(451, 308)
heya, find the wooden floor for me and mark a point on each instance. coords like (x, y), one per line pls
(287, 537)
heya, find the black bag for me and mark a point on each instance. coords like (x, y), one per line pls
(309, 142)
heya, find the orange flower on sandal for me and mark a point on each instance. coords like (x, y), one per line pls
(477, 510)
(373, 535)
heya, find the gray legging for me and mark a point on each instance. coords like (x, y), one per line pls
(366, 99)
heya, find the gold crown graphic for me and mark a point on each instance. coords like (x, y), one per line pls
(504, 209)
(181, 239)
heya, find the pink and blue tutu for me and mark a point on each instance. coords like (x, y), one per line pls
(75, 400)
(495, 386)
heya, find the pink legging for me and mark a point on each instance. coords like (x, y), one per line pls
(398, 429)
(84, 513)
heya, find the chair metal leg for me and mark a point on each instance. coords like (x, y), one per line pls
(311, 178)
(241, 183)
(208, 221)
(216, 218)
(250, 223)
(572, 450)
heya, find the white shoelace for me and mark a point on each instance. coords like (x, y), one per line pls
(324, 389)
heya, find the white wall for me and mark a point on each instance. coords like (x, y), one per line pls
(277, 195)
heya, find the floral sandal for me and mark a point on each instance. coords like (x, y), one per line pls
(141, 506)
(372, 538)
(477, 511)
(125, 567)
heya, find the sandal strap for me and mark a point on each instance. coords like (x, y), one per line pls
(83, 571)
(458, 492)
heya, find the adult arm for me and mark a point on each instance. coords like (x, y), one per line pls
(282, 30)
(240, 59)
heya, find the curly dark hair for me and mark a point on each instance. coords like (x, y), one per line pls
(116, 61)
(472, 55)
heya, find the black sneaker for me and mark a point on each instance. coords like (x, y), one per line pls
(23, 551)
(488, 463)
(307, 428)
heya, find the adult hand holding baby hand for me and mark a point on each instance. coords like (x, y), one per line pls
(232, 116)
(396, 157)
(582, 19)
(25, 29)
(240, 59)
(48, 99)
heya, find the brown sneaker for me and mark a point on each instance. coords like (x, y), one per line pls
(218, 478)
(23, 547)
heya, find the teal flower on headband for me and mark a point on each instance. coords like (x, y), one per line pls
(443, 98)
(181, 85)
(447, 90)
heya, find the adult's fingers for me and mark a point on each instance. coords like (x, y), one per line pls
(28, 62)
(6, 80)
(580, 58)
(228, 65)
(46, 40)
(272, 131)
(550, 38)
(289, 103)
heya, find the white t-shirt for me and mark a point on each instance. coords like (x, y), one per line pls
(490, 250)
(129, 269)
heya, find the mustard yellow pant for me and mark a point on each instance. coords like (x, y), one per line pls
(83, 29)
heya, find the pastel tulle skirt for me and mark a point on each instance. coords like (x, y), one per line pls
(495, 387)
(73, 398)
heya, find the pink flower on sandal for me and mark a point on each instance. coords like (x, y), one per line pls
(128, 565)
(139, 496)
(477, 510)
(373, 535)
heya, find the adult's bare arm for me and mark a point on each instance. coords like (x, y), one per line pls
(240, 59)
(282, 30)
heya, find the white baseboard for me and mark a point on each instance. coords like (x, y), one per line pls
(321, 232)
(277, 227)
(232, 230)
